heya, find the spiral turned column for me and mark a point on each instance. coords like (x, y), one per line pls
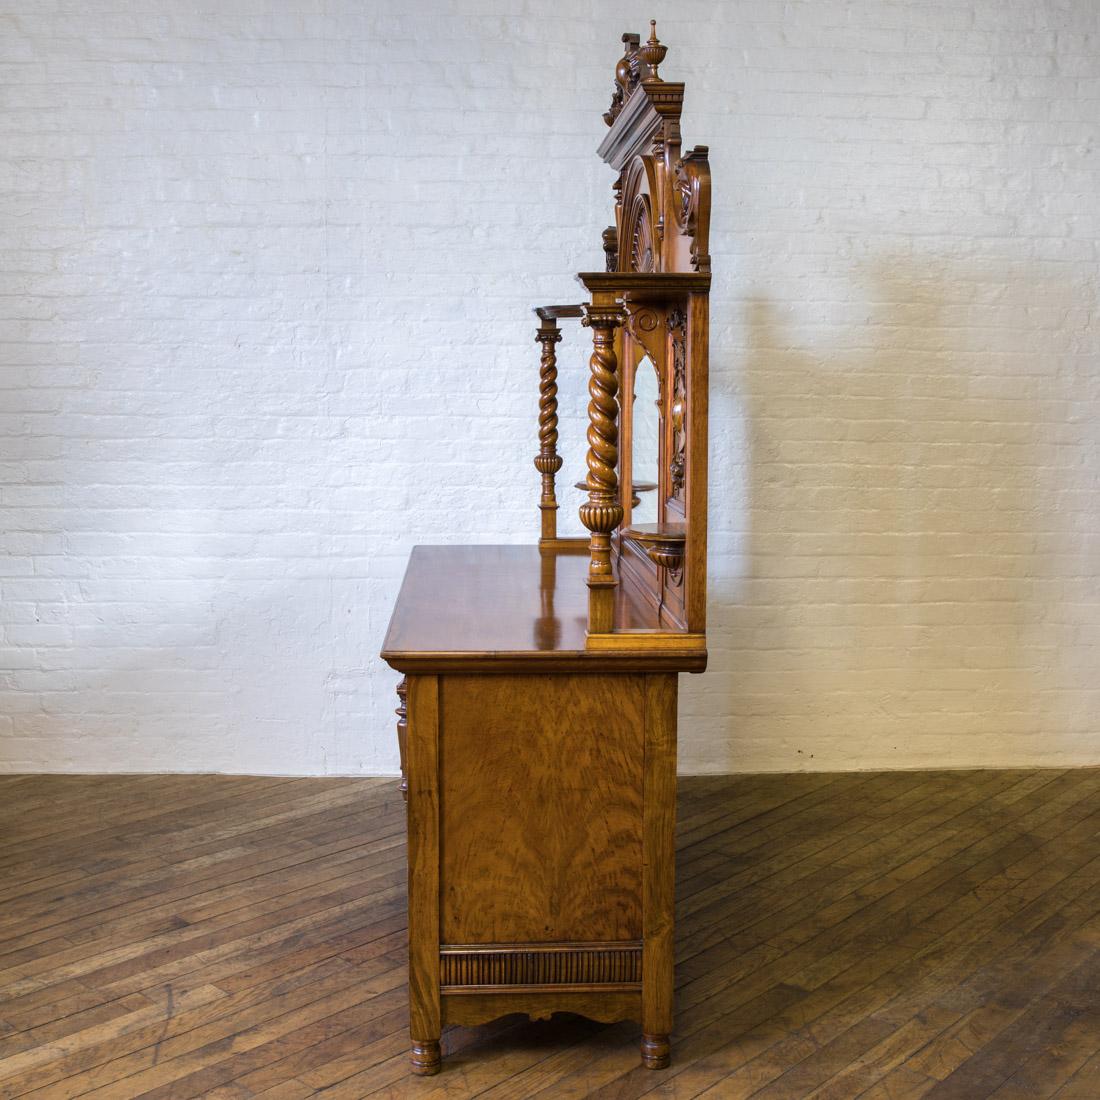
(548, 461)
(603, 511)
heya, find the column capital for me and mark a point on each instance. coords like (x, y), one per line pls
(548, 333)
(603, 315)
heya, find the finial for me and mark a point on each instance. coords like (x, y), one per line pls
(652, 53)
(626, 77)
(611, 247)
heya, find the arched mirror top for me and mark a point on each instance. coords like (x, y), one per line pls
(662, 194)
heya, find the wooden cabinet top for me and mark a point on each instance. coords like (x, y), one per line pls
(502, 607)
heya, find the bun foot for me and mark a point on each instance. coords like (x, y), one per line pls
(426, 1058)
(656, 1051)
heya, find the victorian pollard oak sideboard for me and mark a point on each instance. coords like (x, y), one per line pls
(537, 716)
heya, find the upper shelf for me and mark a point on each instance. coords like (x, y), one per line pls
(552, 313)
(643, 286)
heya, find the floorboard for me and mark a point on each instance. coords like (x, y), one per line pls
(878, 935)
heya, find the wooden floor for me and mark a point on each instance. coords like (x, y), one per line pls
(874, 935)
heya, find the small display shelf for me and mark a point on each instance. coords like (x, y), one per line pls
(638, 487)
(662, 542)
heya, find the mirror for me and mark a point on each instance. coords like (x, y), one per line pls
(646, 428)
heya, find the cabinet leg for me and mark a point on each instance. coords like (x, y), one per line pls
(425, 1057)
(656, 1051)
(422, 761)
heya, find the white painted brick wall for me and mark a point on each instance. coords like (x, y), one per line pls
(264, 325)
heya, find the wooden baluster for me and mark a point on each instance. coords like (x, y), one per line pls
(603, 511)
(402, 713)
(548, 461)
(611, 248)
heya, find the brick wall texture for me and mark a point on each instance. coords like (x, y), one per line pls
(264, 325)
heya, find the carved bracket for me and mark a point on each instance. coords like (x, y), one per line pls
(646, 324)
(663, 543)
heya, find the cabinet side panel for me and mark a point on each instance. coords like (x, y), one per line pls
(541, 808)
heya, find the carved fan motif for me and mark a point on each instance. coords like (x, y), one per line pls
(641, 239)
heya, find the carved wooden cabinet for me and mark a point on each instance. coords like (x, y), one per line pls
(537, 714)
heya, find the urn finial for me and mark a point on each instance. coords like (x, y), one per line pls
(652, 53)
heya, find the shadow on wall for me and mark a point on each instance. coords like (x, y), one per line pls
(908, 558)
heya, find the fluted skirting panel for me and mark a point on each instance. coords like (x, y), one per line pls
(542, 964)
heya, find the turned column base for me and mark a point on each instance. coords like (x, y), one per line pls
(426, 1058)
(656, 1051)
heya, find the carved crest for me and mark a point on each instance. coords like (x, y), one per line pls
(644, 145)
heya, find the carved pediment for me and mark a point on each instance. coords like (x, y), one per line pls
(643, 146)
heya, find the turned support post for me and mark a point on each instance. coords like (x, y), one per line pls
(548, 461)
(603, 511)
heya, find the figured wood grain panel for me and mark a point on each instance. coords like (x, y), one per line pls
(541, 808)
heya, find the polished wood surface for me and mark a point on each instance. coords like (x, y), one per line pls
(882, 935)
(541, 808)
(500, 607)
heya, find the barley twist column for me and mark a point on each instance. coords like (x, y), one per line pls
(603, 511)
(548, 461)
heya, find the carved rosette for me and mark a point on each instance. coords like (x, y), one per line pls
(602, 512)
